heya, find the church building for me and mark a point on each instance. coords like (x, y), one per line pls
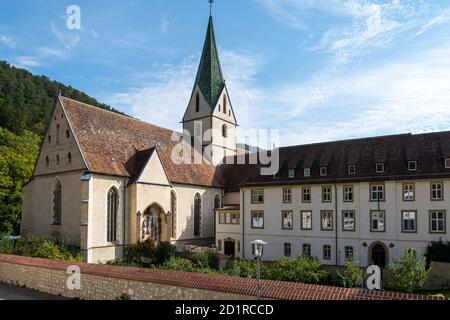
(103, 181)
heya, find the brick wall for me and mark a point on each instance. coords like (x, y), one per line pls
(110, 282)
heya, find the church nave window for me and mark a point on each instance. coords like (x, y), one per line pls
(197, 214)
(113, 204)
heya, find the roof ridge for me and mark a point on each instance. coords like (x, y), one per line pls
(121, 115)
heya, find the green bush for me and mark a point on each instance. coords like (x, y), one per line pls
(178, 264)
(351, 276)
(205, 260)
(136, 253)
(408, 273)
(438, 251)
(302, 269)
(163, 252)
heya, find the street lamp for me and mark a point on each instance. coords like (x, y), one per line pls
(258, 251)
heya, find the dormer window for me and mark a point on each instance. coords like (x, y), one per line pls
(307, 172)
(412, 165)
(197, 102)
(447, 163)
(380, 167)
(351, 169)
(323, 171)
(291, 173)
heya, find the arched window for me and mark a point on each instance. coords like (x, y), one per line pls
(173, 210)
(57, 202)
(217, 202)
(197, 214)
(58, 133)
(197, 102)
(69, 157)
(224, 131)
(112, 208)
(225, 104)
(57, 159)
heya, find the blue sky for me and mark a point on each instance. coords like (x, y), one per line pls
(318, 70)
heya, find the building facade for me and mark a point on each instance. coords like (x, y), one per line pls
(103, 181)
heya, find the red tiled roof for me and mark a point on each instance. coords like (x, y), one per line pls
(114, 144)
(429, 150)
(220, 283)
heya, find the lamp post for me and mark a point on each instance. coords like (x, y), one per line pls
(258, 251)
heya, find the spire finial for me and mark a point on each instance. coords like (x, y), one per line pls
(210, 7)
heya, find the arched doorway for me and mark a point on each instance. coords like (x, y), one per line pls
(229, 247)
(154, 225)
(378, 255)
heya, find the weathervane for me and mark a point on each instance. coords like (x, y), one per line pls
(210, 6)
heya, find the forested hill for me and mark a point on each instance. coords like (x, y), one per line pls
(26, 103)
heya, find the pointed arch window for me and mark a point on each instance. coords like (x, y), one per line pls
(173, 210)
(57, 202)
(197, 102)
(58, 133)
(112, 208)
(225, 131)
(225, 104)
(197, 214)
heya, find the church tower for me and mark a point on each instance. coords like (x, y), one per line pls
(210, 107)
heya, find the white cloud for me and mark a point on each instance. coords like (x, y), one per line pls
(26, 62)
(67, 39)
(164, 23)
(46, 52)
(7, 41)
(441, 19)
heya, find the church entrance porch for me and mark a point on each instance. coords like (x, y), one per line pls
(154, 225)
(378, 255)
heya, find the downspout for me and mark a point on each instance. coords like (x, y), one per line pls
(243, 224)
(336, 223)
(125, 215)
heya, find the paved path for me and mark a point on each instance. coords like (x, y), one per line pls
(8, 292)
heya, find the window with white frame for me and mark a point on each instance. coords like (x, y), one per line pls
(291, 173)
(307, 172)
(377, 192)
(412, 166)
(348, 253)
(409, 221)
(323, 171)
(437, 221)
(377, 221)
(306, 223)
(437, 191)
(326, 252)
(287, 249)
(288, 219)
(408, 192)
(447, 163)
(258, 219)
(306, 249)
(257, 196)
(351, 169)
(287, 195)
(326, 220)
(348, 193)
(306, 194)
(379, 167)
(326, 194)
(348, 220)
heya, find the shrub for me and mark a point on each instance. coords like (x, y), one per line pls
(136, 253)
(351, 276)
(302, 269)
(205, 260)
(178, 264)
(247, 268)
(6, 246)
(408, 273)
(438, 251)
(163, 252)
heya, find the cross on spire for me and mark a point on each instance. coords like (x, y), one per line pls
(210, 6)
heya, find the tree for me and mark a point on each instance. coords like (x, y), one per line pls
(351, 276)
(408, 273)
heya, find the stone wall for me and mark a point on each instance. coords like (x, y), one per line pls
(111, 282)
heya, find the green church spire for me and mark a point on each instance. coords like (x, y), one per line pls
(209, 75)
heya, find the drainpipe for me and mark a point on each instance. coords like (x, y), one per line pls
(336, 223)
(242, 219)
(124, 215)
